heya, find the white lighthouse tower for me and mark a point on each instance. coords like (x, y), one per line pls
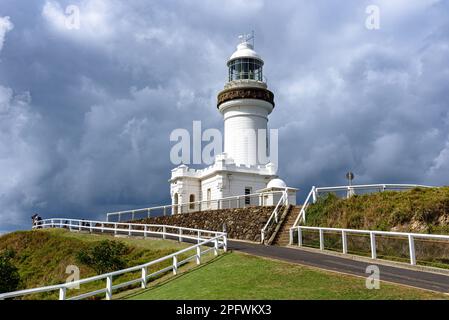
(244, 167)
(245, 104)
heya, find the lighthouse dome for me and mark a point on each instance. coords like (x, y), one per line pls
(276, 183)
(245, 50)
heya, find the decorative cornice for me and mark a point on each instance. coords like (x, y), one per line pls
(245, 93)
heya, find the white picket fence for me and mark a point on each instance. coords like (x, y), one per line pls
(204, 238)
(372, 233)
(349, 191)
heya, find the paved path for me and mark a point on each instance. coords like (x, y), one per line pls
(419, 279)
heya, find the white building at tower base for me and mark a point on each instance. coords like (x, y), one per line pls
(245, 104)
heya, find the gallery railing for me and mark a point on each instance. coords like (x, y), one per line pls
(254, 199)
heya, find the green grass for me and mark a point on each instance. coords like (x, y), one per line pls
(240, 276)
(417, 210)
(43, 255)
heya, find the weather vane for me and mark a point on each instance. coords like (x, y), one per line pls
(247, 37)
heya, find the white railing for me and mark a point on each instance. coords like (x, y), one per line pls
(371, 233)
(350, 191)
(241, 201)
(216, 241)
(275, 214)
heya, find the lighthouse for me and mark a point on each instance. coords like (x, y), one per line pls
(245, 104)
(244, 168)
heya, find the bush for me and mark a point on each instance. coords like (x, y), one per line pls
(104, 257)
(9, 274)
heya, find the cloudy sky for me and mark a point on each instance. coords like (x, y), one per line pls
(85, 114)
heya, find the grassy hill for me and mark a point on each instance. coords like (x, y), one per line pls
(42, 256)
(418, 210)
(241, 276)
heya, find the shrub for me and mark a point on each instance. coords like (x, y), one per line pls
(9, 274)
(106, 256)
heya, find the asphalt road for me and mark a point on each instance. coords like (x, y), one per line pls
(419, 279)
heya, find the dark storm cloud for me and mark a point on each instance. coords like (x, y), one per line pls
(86, 114)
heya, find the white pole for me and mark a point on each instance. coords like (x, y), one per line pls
(321, 239)
(164, 230)
(411, 244)
(109, 288)
(290, 242)
(216, 247)
(62, 292)
(225, 243)
(344, 241)
(299, 237)
(198, 255)
(373, 245)
(175, 265)
(144, 277)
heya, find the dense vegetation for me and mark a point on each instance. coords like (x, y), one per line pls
(9, 274)
(418, 210)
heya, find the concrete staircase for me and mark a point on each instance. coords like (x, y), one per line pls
(282, 237)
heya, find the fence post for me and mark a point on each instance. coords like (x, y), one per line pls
(198, 255)
(115, 228)
(180, 235)
(411, 244)
(373, 245)
(216, 247)
(102, 227)
(314, 195)
(199, 236)
(344, 241)
(165, 211)
(129, 232)
(119, 216)
(52, 223)
(109, 288)
(321, 239)
(133, 215)
(79, 225)
(149, 212)
(90, 227)
(62, 292)
(299, 237)
(145, 232)
(175, 265)
(164, 231)
(225, 243)
(290, 242)
(144, 277)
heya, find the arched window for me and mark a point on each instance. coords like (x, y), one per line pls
(175, 203)
(191, 200)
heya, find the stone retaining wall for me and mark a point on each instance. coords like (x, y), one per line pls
(242, 224)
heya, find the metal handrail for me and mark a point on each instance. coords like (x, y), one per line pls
(143, 267)
(195, 203)
(372, 233)
(274, 215)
